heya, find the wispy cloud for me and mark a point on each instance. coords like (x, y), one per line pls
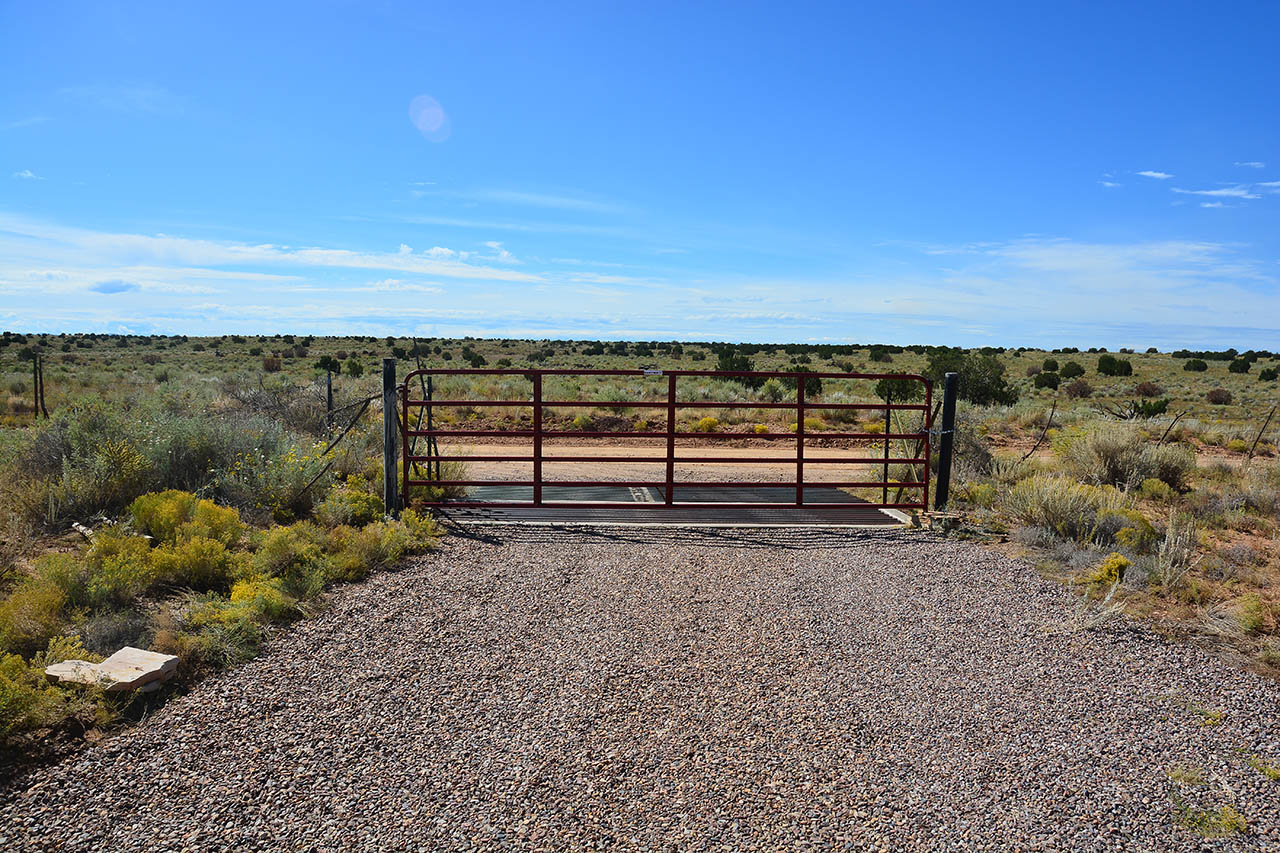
(113, 286)
(140, 248)
(26, 122)
(1224, 192)
(1109, 184)
(28, 175)
(1159, 176)
(136, 99)
(1212, 204)
(1252, 164)
(533, 199)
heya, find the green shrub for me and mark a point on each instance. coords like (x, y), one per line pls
(1067, 507)
(1127, 528)
(1170, 463)
(119, 569)
(1153, 489)
(1195, 365)
(197, 563)
(1268, 374)
(1109, 365)
(296, 555)
(1237, 445)
(1071, 370)
(32, 613)
(1050, 365)
(174, 516)
(707, 424)
(978, 494)
(1046, 380)
(1108, 572)
(349, 506)
(1239, 365)
(264, 600)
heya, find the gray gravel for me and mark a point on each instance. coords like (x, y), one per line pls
(679, 689)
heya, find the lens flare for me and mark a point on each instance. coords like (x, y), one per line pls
(430, 118)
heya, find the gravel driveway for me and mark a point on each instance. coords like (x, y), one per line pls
(681, 689)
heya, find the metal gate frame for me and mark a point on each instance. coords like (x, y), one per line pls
(538, 433)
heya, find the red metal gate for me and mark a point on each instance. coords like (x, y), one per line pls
(412, 462)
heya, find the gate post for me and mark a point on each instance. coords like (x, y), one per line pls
(950, 385)
(390, 494)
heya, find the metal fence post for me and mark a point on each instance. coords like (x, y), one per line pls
(390, 494)
(951, 383)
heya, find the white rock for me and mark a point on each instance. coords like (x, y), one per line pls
(127, 669)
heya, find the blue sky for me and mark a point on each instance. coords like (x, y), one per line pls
(985, 173)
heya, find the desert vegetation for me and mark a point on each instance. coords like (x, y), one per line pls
(220, 507)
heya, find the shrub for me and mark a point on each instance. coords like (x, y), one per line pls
(119, 569)
(1067, 507)
(1239, 365)
(1046, 380)
(295, 554)
(355, 369)
(1050, 365)
(1195, 365)
(760, 429)
(1127, 528)
(1268, 374)
(1110, 571)
(1153, 489)
(707, 424)
(1109, 365)
(175, 516)
(1033, 370)
(982, 379)
(271, 364)
(978, 494)
(1148, 389)
(264, 600)
(1237, 445)
(1079, 389)
(1219, 397)
(32, 612)
(1071, 370)
(349, 506)
(197, 563)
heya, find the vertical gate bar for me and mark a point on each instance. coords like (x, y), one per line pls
(537, 437)
(888, 428)
(671, 439)
(799, 440)
(950, 386)
(407, 450)
(432, 449)
(928, 441)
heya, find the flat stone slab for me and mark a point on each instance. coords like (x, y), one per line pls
(127, 669)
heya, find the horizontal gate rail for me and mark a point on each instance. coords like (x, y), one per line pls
(668, 486)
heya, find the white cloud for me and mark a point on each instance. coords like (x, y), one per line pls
(137, 99)
(1212, 204)
(549, 200)
(180, 251)
(501, 255)
(440, 253)
(1252, 164)
(27, 122)
(1225, 192)
(395, 285)
(1109, 183)
(27, 174)
(1160, 176)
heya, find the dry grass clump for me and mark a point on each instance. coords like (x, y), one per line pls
(1065, 506)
